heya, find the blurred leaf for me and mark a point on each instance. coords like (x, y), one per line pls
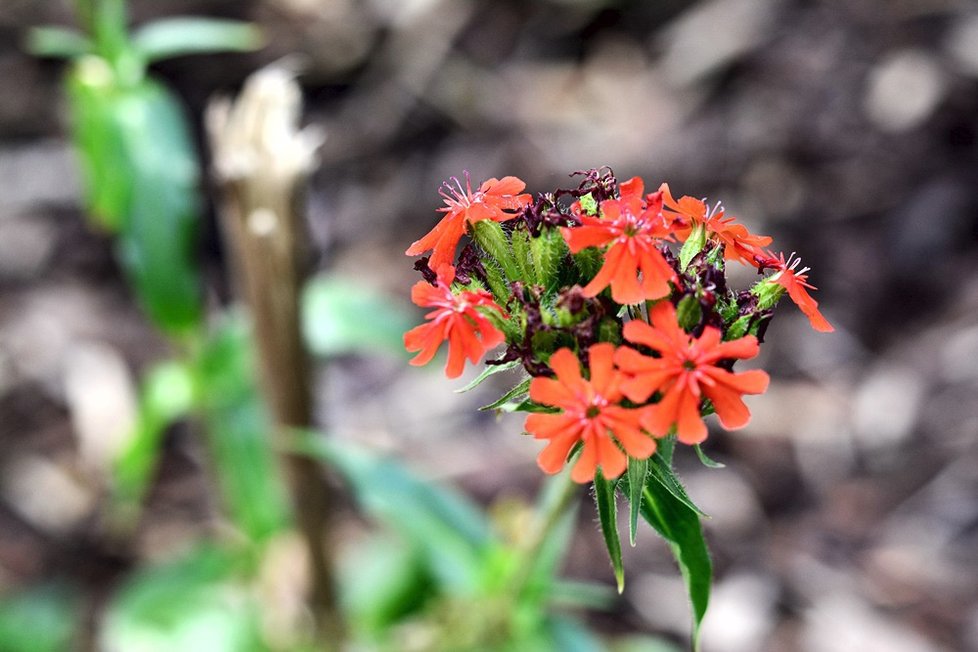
(643, 644)
(99, 142)
(678, 524)
(158, 239)
(542, 578)
(638, 471)
(568, 635)
(604, 498)
(42, 619)
(192, 603)
(490, 370)
(582, 595)
(382, 582)
(517, 392)
(705, 459)
(660, 469)
(167, 394)
(50, 41)
(451, 532)
(340, 315)
(239, 433)
(181, 35)
(141, 175)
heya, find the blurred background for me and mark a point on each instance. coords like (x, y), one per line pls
(847, 515)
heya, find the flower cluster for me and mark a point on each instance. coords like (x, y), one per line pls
(613, 300)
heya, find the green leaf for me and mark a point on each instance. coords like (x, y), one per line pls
(490, 370)
(542, 583)
(167, 394)
(693, 245)
(518, 391)
(638, 471)
(451, 532)
(526, 406)
(50, 41)
(679, 525)
(383, 581)
(99, 142)
(239, 433)
(158, 241)
(582, 595)
(193, 602)
(604, 498)
(705, 459)
(340, 316)
(689, 312)
(42, 619)
(567, 635)
(141, 176)
(183, 35)
(660, 470)
(643, 643)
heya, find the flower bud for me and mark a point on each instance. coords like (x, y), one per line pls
(490, 236)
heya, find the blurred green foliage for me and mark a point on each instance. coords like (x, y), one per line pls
(139, 164)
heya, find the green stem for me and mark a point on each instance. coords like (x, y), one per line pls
(559, 497)
(109, 20)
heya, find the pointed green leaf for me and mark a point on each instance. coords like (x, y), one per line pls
(693, 245)
(50, 41)
(518, 391)
(638, 470)
(604, 498)
(181, 35)
(681, 528)
(527, 406)
(490, 370)
(705, 459)
(660, 469)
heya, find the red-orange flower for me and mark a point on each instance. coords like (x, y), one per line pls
(635, 231)
(689, 212)
(454, 318)
(591, 415)
(795, 281)
(496, 199)
(686, 372)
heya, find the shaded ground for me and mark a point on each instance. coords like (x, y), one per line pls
(846, 518)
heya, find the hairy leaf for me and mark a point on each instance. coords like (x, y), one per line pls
(604, 498)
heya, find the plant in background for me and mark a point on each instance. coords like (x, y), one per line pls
(615, 304)
(139, 165)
